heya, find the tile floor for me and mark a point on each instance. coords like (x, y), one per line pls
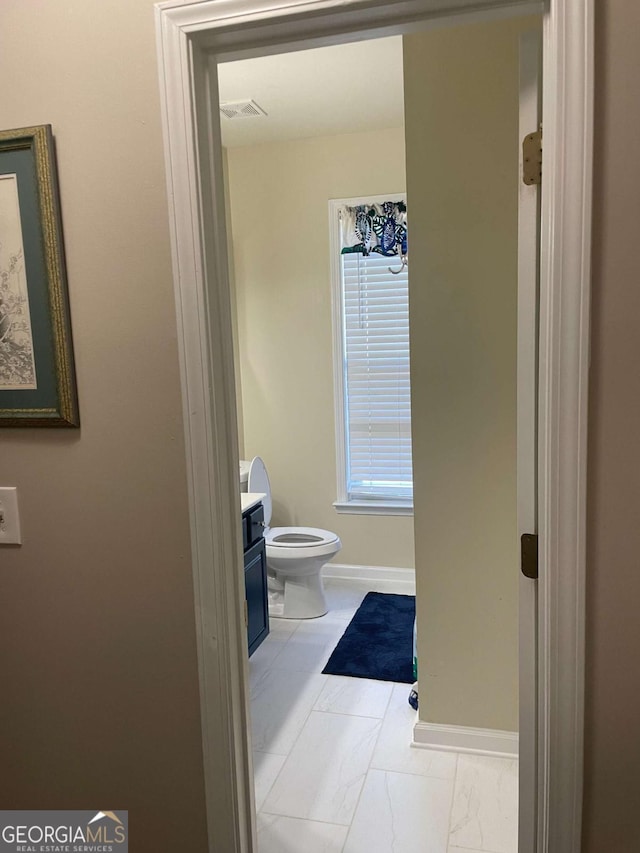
(334, 769)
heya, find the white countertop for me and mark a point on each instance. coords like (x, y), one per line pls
(250, 499)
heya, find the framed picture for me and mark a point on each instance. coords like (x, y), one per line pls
(37, 377)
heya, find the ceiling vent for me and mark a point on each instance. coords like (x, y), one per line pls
(242, 109)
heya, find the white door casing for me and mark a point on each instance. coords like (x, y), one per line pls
(563, 374)
(190, 35)
(527, 414)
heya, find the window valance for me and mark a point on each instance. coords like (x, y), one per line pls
(375, 228)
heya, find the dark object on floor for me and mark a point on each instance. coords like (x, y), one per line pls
(379, 640)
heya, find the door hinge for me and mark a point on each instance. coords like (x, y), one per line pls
(529, 555)
(532, 158)
(246, 613)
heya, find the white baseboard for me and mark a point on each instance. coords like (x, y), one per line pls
(465, 739)
(368, 573)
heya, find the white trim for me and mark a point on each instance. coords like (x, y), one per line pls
(338, 373)
(373, 574)
(565, 279)
(466, 739)
(206, 371)
(192, 145)
(372, 508)
(527, 436)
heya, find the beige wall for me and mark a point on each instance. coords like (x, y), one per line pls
(98, 662)
(461, 103)
(612, 746)
(279, 203)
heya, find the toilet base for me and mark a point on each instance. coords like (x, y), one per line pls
(296, 596)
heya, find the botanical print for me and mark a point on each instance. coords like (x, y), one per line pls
(379, 228)
(17, 364)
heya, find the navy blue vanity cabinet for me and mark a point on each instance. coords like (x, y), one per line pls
(255, 576)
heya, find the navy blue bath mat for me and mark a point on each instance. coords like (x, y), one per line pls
(379, 640)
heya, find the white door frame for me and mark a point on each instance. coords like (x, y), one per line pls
(527, 430)
(189, 36)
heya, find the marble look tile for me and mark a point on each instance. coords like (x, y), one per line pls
(360, 696)
(280, 704)
(323, 775)
(308, 649)
(401, 813)
(266, 767)
(345, 595)
(394, 751)
(280, 630)
(278, 834)
(485, 804)
(463, 850)
(282, 627)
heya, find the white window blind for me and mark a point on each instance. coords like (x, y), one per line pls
(377, 391)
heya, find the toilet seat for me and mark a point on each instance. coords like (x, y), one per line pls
(284, 537)
(299, 537)
(294, 545)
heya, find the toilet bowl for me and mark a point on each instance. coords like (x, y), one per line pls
(295, 558)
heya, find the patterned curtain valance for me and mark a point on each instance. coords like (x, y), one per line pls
(380, 228)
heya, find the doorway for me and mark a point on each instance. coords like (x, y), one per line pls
(292, 159)
(200, 307)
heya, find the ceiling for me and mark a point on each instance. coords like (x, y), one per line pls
(345, 88)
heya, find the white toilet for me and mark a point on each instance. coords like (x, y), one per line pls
(295, 557)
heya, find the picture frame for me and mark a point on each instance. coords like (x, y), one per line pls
(37, 373)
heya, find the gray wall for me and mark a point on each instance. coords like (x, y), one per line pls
(612, 745)
(98, 657)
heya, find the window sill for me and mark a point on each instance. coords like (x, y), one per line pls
(373, 508)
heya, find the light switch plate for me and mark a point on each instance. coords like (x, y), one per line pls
(9, 517)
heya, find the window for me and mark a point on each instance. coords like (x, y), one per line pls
(371, 351)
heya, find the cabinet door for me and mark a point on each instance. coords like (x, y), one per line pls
(255, 580)
(252, 526)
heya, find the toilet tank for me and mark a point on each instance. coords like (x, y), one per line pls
(244, 474)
